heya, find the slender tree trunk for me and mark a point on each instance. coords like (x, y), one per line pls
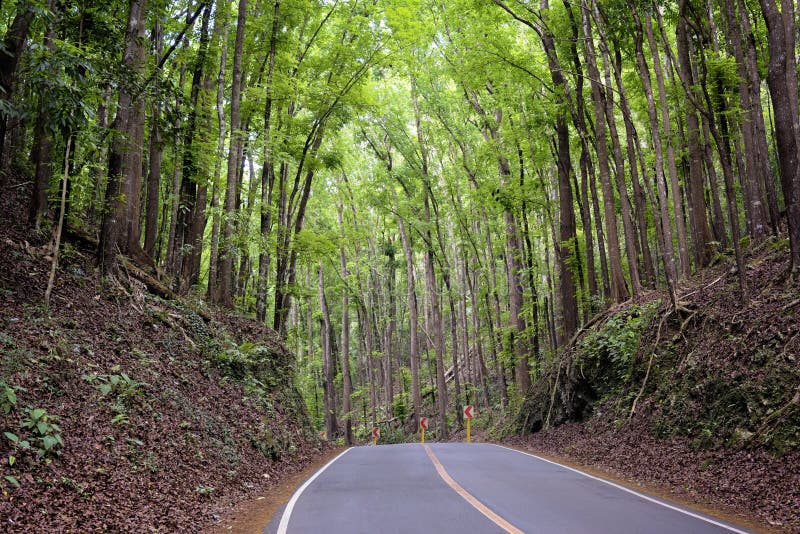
(751, 179)
(582, 192)
(492, 315)
(225, 292)
(619, 291)
(567, 245)
(756, 115)
(172, 241)
(413, 320)
(268, 178)
(213, 261)
(347, 388)
(782, 82)
(677, 203)
(639, 197)
(154, 159)
(41, 154)
(666, 228)
(327, 364)
(626, 210)
(189, 242)
(701, 234)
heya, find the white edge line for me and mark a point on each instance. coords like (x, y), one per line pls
(633, 492)
(287, 512)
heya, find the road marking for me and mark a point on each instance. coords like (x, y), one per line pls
(628, 490)
(478, 505)
(287, 512)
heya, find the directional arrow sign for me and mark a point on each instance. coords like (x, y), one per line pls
(468, 411)
(423, 423)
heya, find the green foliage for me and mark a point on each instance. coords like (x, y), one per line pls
(609, 353)
(44, 435)
(251, 360)
(391, 435)
(399, 406)
(8, 396)
(204, 490)
(121, 386)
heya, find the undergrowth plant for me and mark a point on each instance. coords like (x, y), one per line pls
(610, 352)
(122, 386)
(43, 435)
(8, 396)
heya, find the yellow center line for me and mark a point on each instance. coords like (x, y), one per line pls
(467, 496)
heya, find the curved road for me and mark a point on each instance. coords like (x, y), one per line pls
(472, 488)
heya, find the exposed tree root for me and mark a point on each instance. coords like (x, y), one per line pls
(771, 422)
(791, 305)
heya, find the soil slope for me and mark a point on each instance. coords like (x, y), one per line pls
(166, 418)
(701, 402)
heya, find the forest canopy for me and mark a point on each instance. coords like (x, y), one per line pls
(426, 200)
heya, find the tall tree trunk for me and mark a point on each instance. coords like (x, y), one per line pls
(619, 291)
(567, 246)
(782, 82)
(12, 47)
(493, 316)
(666, 228)
(684, 267)
(587, 175)
(717, 219)
(267, 178)
(41, 154)
(192, 185)
(225, 292)
(154, 159)
(756, 115)
(639, 197)
(175, 193)
(327, 362)
(119, 230)
(751, 179)
(631, 247)
(213, 260)
(347, 388)
(701, 234)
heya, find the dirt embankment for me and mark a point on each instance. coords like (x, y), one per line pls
(125, 412)
(701, 403)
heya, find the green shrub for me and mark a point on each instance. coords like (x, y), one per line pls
(44, 435)
(610, 352)
(8, 396)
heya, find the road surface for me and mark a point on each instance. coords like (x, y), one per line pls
(472, 488)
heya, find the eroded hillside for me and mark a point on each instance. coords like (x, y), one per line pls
(123, 411)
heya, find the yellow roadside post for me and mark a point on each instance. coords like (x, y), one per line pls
(423, 425)
(376, 433)
(468, 413)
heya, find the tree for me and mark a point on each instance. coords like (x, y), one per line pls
(120, 228)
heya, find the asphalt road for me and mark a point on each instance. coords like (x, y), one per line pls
(472, 488)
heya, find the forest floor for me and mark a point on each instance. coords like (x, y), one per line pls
(718, 422)
(157, 435)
